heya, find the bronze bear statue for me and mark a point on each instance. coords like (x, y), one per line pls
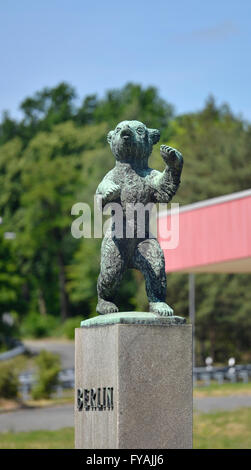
(131, 181)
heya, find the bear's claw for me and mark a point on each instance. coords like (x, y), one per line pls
(171, 155)
(104, 307)
(161, 308)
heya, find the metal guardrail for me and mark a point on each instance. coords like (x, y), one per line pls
(222, 374)
(20, 349)
(200, 374)
(28, 379)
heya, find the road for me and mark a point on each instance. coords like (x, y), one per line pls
(65, 349)
(210, 404)
(50, 418)
(57, 417)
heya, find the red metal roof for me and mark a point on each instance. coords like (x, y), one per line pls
(214, 235)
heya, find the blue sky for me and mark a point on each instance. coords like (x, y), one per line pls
(188, 49)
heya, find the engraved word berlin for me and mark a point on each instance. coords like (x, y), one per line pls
(95, 399)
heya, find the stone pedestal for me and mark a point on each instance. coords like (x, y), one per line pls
(133, 383)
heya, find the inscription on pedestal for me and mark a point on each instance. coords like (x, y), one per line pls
(92, 399)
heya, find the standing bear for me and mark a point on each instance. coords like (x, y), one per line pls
(131, 181)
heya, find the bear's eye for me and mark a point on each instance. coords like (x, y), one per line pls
(118, 129)
(140, 130)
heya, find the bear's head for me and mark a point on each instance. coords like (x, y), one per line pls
(132, 142)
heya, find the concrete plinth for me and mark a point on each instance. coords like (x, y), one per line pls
(133, 385)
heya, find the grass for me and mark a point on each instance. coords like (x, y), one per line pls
(221, 430)
(62, 439)
(225, 389)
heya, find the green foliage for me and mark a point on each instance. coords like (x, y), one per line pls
(10, 280)
(35, 325)
(8, 128)
(10, 291)
(216, 149)
(8, 331)
(48, 365)
(133, 102)
(45, 109)
(68, 327)
(8, 381)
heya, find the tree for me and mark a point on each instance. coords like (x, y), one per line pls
(216, 148)
(130, 102)
(45, 109)
(8, 128)
(50, 178)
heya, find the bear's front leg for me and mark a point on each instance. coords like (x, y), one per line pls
(108, 190)
(172, 157)
(165, 184)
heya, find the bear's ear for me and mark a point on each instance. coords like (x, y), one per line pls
(109, 137)
(154, 135)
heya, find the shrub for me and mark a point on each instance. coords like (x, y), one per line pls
(48, 368)
(70, 325)
(36, 325)
(8, 382)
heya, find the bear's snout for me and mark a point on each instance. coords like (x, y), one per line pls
(126, 133)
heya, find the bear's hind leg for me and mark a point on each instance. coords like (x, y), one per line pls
(149, 259)
(111, 271)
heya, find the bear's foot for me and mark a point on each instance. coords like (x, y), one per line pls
(161, 308)
(105, 307)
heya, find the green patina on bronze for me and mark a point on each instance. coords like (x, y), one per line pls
(142, 318)
(132, 181)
